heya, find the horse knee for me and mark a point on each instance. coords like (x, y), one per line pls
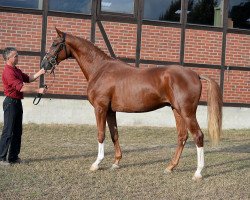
(101, 138)
(182, 139)
(199, 139)
(114, 137)
(194, 128)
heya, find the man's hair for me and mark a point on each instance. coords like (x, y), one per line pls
(7, 51)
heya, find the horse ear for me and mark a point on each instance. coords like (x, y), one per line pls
(60, 33)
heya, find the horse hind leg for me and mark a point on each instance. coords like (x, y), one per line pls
(182, 138)
(198, 136)
(111, 120)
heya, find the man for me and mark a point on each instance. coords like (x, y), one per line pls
(14, 87)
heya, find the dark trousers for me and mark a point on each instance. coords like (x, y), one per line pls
(10, 142)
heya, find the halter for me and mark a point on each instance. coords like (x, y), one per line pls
(52, 59)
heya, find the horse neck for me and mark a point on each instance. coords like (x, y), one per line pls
(89, 57)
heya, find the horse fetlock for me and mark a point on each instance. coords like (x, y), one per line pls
(114, 167)
(117, 159)
(169, 169)
(94, 167)
(197, 177)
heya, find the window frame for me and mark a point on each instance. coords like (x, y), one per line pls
(206, 25)
(25, 8)
(162, 21)
(117, 14)
(68, 12)
(236, 30)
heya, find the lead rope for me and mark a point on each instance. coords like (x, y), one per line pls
(38, 97)
(54, 76)
(228, 70)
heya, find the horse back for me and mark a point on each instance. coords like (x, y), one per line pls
(128, 89)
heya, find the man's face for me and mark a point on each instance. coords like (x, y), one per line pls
(13, 58)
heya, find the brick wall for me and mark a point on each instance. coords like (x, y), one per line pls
(20, 30)
(121, 36)
(237, 83)
(203, 47)
(237, 86)
(158, 43)
(238, 50)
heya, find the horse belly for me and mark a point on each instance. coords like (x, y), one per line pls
(138, 102)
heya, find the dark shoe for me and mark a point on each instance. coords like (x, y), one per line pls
(4, 163)
(17, 161)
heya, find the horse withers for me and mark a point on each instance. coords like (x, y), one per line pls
(114, 86)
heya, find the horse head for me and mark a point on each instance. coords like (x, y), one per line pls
(56, 53)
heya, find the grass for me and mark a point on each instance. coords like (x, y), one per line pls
(57, 160)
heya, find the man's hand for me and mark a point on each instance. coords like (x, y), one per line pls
(42, 90)
(42, 71)
(38, 97)
(35, 76)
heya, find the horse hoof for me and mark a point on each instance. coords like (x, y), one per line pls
(114, 167)
(167, 171)
(94, 168)
(197, 178)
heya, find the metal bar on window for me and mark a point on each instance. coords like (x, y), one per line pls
(69, 15)
(44, 31)
(239, 31)
(139, 32)
(26, 53)
(106, 39)
(224, 42)
(20, 10)
(183, 19)
(93, 19)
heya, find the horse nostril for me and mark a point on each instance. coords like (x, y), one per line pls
(46, 65)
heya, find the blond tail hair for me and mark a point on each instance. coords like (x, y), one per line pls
(214, 103)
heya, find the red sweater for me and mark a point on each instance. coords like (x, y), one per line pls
(13, 79)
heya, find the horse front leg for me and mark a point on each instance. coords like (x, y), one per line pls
(182, 138)
(100, 114)
(111, 119)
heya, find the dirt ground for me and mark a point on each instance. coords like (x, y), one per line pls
(57, 159)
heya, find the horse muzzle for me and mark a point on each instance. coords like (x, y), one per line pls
(46, 64)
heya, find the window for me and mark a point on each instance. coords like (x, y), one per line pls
(164, 10)
(205, 12)
(239, 14)
(36, 4)
(115, 6)
(72, 6)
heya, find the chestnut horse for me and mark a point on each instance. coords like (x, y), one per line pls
(114, 86)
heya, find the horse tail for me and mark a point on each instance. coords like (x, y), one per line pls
(214, 103)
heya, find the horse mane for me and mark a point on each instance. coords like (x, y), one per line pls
(91, 46)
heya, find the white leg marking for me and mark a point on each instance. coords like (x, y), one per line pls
(100, 157)
(200, 163)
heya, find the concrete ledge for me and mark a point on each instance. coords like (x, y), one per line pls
(64, 111)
